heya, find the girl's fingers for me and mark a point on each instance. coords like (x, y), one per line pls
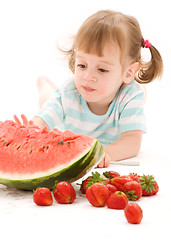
(24, 119)
(16, 119)
(105, 162)
(101, 164)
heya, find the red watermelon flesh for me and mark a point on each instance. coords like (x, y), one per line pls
(25, 150)
(31, 157)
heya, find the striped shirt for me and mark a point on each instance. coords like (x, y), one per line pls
(67, 110)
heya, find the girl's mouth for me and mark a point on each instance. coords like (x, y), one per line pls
(88, 89)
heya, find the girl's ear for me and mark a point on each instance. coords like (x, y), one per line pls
(130, 72)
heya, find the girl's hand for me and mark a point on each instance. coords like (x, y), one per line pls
(25, 121)
(105, 162)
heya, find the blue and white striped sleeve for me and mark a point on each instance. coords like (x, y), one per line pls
(52, 111)
(131, 115)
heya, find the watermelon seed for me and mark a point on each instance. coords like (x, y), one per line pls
(62, 143)
(68, 143)
(31, 151)
(45, 147)
(18, 148)
(7, 144)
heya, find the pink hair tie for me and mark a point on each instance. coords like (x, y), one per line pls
(146, 44)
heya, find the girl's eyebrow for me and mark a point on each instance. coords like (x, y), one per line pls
(78, 56)
(108, 63)
(101, 61)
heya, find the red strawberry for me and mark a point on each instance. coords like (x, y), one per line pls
(96, 177)
(149, 185)
(107, 180)
(42, 197)
(133, 213)
(64, 192)
(97, 194)
(133, 190)
(112, 188)
(117, 200)
(111, 174)
(134, 176)
(84, 186)
(119, 182)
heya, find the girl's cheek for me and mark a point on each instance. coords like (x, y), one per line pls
(101, 89)
(101, 92)
(76, 77)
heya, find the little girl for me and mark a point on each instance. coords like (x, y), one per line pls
(104, 98)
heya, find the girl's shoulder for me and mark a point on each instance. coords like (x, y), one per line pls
(69, 88)
(131, 90)
(69, 91)
(68, 85)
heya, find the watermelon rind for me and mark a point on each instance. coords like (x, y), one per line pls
(71, 173)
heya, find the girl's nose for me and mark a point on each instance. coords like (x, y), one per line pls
(89, 76)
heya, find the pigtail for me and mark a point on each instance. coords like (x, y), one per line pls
(152, 69)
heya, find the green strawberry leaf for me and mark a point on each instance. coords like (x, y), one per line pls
(96, 177)
(147, 183)
(56, 182)
(107, 174)
(130, 195)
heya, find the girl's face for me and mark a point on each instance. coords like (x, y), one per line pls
(98, 78)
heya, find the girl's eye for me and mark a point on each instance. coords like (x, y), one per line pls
(81, 66)
(103, 70)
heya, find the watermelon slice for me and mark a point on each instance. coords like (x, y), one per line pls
(31, 157)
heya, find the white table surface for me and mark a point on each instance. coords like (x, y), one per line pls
(21, 218)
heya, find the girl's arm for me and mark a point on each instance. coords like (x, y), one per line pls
(39, 122)
(36, 121)
(126, 147)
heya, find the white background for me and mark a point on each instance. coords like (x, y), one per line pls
(30, 32)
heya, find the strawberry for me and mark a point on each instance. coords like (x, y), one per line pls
(96, 177)
(97, 194)
(119, 182)
(64, 192)
(149, 185)
(111, 174)
(42, 197)
(133, 213)
(112, 188)
(107, 180)
(134, 176)
(84, 186)
(117, 200)
(133, 190)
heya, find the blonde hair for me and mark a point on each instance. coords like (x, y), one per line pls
(109, 26)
